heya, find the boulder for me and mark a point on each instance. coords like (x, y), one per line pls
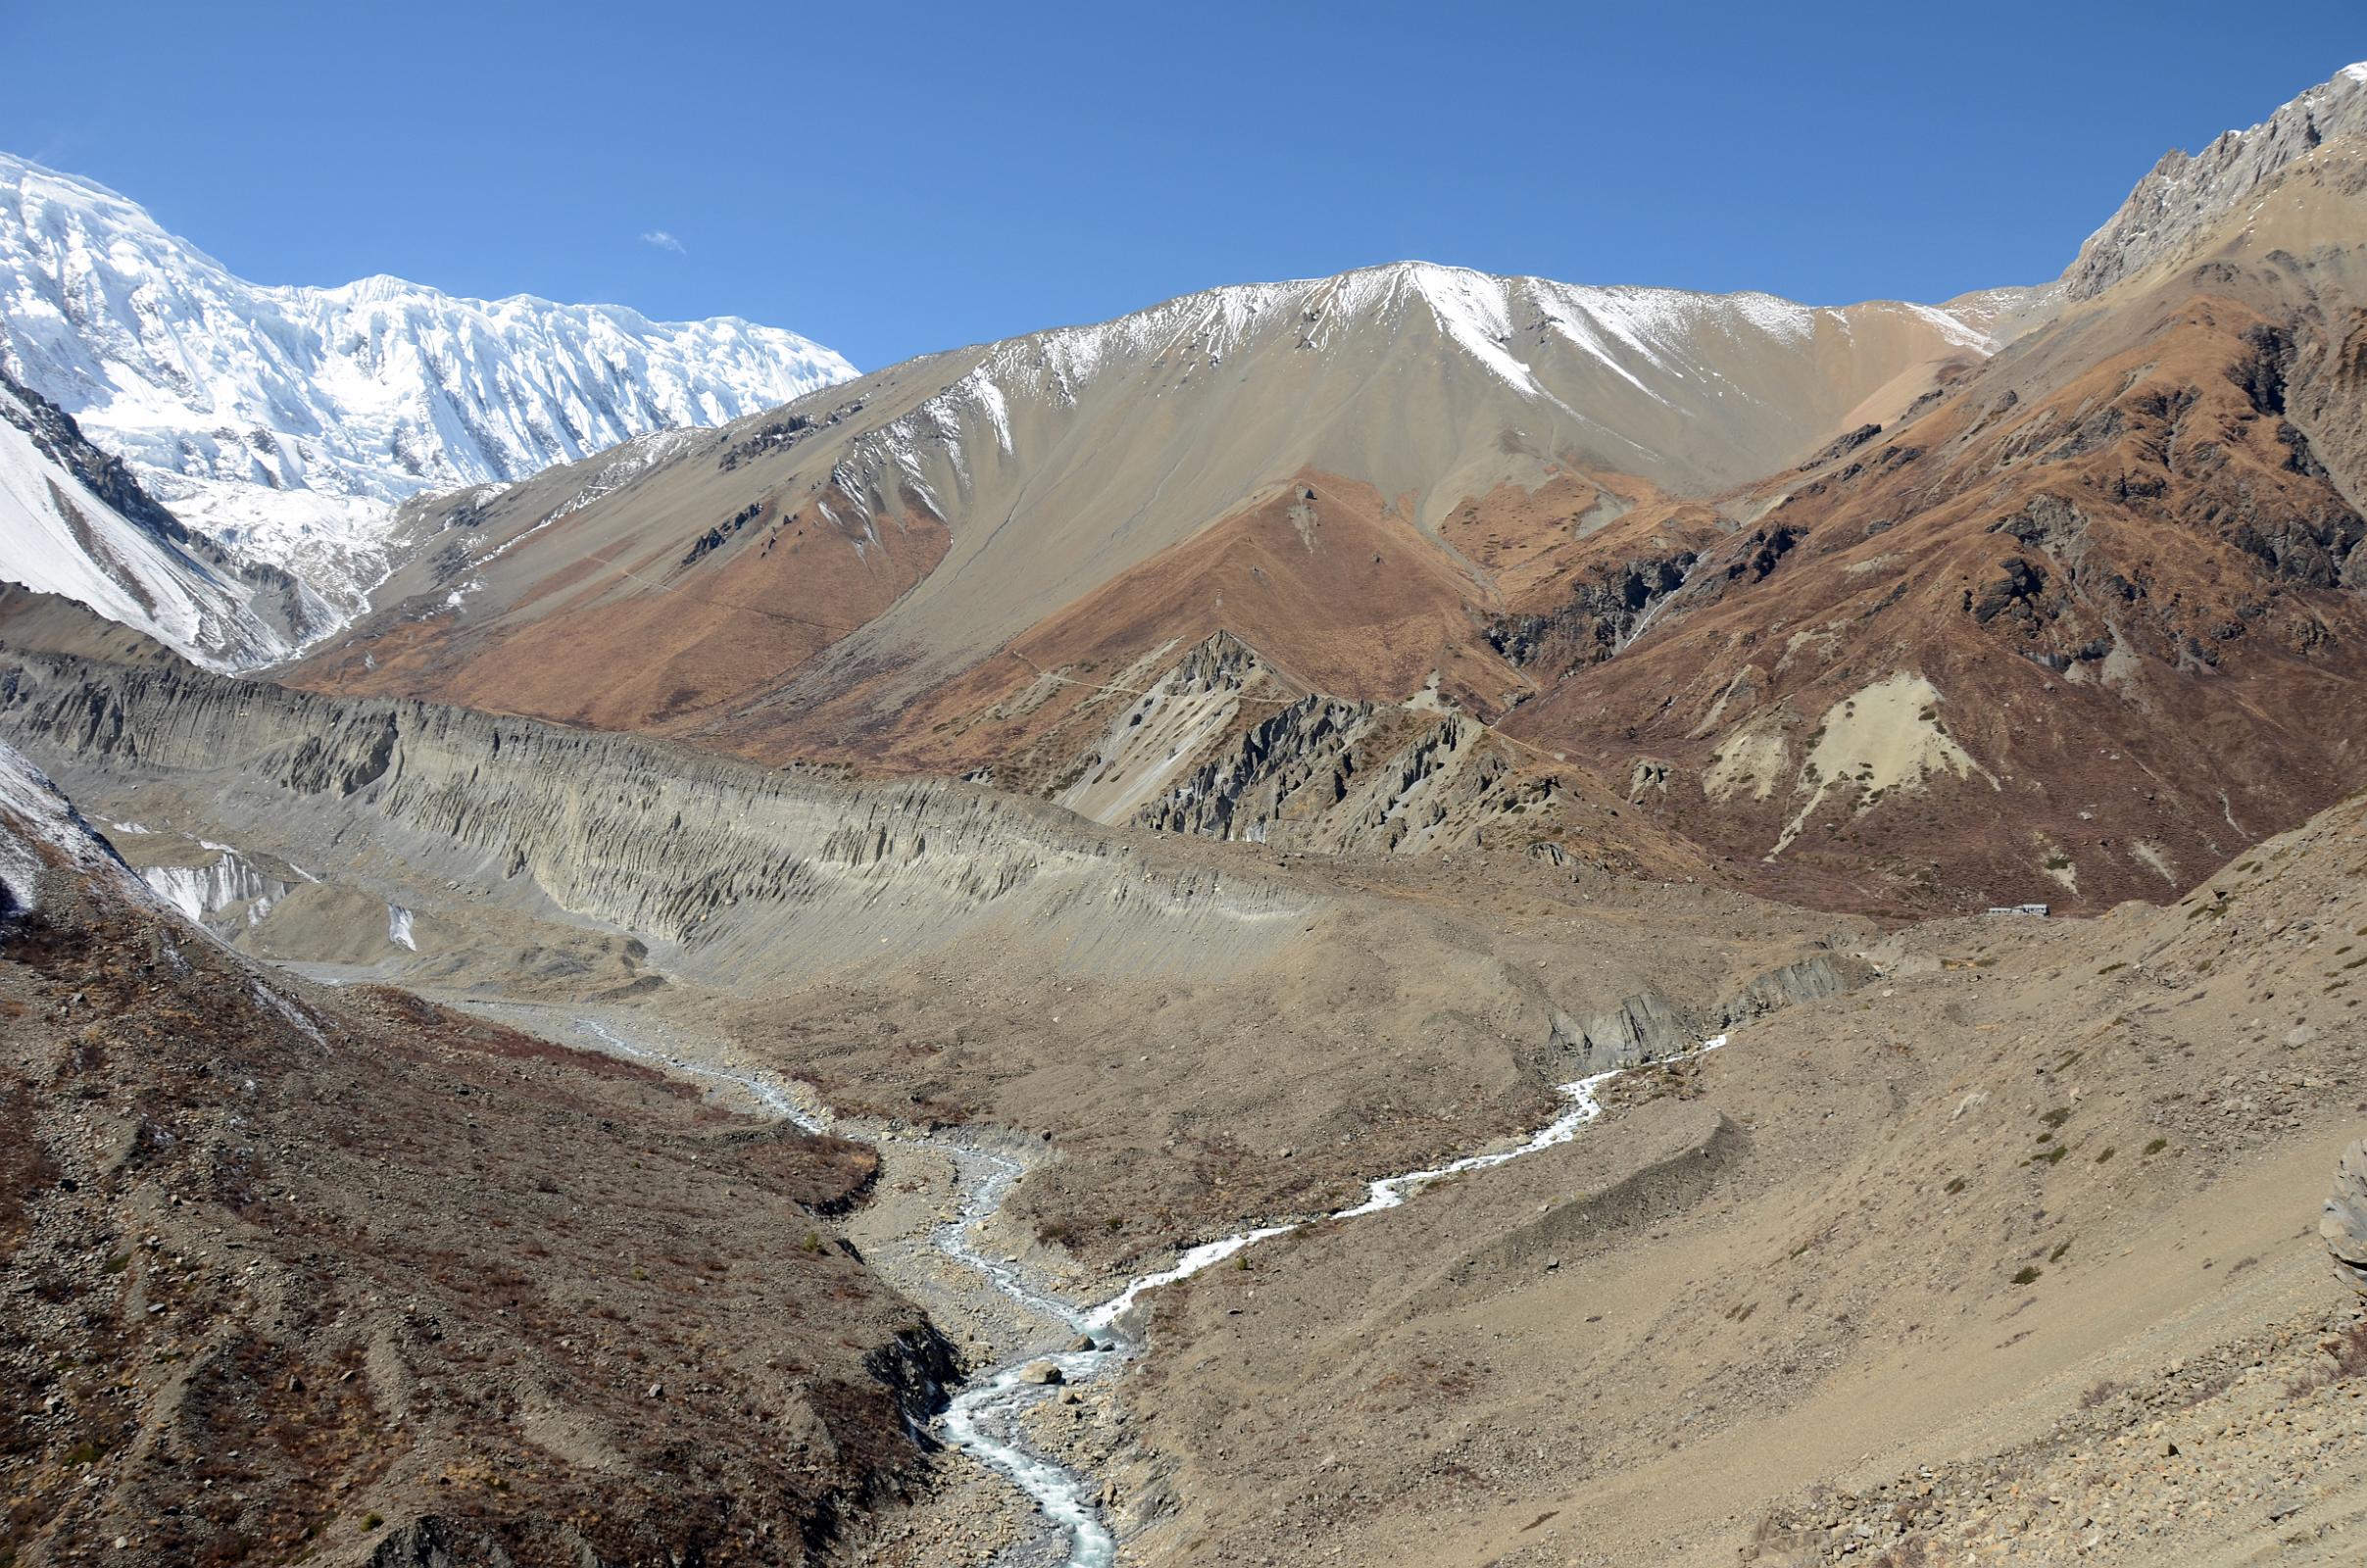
(2344, 1225)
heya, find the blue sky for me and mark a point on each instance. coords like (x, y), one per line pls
(890, 180)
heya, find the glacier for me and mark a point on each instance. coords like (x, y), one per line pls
(287, 422)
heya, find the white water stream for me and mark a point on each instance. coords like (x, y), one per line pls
(983, 1419)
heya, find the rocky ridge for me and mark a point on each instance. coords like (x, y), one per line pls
(602, 826)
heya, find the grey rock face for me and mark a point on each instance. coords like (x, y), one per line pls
(1337, 776)
(2184, 195)
(2344, 1225)
(1808, 980)
(1641, 1028)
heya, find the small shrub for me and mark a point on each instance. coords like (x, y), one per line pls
(2158, 1146)
(2057, 1116)
(2027, 1274)
(812, 1245)
(2060, 1248)
(372, 1520)
(1956, 1185)
(2110, 968)
(2108, 1153)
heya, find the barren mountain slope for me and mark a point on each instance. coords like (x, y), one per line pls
(1793, 1262)
(31, 621)
(347, 1276)
(2071, 633)
(2019, 1240)
(867, 543)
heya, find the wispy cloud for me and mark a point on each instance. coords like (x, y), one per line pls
(664, 241)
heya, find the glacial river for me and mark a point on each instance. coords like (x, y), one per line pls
(983, 1420)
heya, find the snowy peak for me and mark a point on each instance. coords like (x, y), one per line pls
(285, 422)
(1479, 311)
(1694, 391)
(2184, 194)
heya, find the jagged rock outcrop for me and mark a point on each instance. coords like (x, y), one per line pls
(1339, 776)
(1641, 1028)
(1604, 613)
(2184, 195)
(1827, 974)
(1245, 791)
(2344, 1225)
(1648, 1025)
(1160, 730)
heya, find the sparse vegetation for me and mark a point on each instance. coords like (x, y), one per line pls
(2158, 1146)
(2027, 1274)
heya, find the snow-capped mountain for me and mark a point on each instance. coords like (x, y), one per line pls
(1694, 390)
(922, 519)
(1433, 384)
(74, 521)
(285, 422)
